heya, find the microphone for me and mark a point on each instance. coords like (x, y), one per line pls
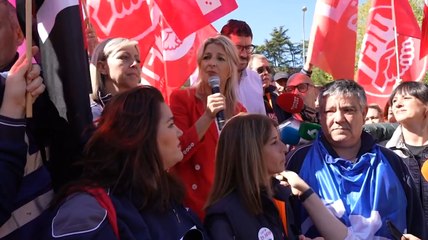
(214, 83)
(289, 131)
(424, 170)
(293, 103)
(309, 131)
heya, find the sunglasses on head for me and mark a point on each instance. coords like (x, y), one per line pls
(262, 69)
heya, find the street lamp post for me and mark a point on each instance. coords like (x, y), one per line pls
(304, 9)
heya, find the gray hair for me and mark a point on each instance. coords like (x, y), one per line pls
(343, 87)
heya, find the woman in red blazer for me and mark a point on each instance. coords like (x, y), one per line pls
(195, 110)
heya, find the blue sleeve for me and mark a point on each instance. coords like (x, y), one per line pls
(81, 217)
(13, 157)
(218, 227)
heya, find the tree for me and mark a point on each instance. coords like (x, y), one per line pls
(280, 51)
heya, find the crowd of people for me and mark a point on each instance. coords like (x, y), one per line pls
(151, 170)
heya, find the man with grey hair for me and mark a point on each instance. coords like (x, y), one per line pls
(260, 64)
(363, 184)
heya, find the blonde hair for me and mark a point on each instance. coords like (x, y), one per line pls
(239, 160)
(101, 52)
(231, 83)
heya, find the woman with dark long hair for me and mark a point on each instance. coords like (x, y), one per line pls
(126, 191)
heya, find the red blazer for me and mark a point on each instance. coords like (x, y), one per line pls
(197, 168)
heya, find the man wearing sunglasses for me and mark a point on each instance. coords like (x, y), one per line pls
(250, 92)
(260, 64)
(302, 85)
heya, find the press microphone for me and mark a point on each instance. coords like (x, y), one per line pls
(309, 131)
(424, 170)
(293, 103)
(289, 131)
(214, 83)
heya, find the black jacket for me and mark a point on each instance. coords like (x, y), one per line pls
(229, 218)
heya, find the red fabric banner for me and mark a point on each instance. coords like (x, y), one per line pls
(377, 67)
(123, 18)
(171, 61)
(333, 37)
(187, 16)
(167, 61)
(424, 38)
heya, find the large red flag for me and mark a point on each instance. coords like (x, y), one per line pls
(171, 61)
(377, 68)
(123, 18)
(187, 16)
(424, 38)
(333, 37)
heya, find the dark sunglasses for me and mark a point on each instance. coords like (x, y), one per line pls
(262, 69)
(302, 87)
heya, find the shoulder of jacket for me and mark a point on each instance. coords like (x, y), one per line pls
(80, 213)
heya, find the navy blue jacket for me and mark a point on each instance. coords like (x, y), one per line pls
(82, 217)
(229, 218)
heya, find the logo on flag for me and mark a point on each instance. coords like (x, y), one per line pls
(377, 67)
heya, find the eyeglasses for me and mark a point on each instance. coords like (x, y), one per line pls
(262, 69)
(248, 48)
(302, 87)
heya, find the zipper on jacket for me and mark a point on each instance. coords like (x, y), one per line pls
(176, 215)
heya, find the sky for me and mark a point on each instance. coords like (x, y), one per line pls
(264, 15)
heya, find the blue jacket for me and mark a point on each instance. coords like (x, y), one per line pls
(82, 217)
(413, 209)
(229, 218)
(28, 172)
(25, 190)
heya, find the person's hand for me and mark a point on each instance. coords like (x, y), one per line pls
(215, 103)
(289, 178)
(409, 237)
(302, 237)
(18, 82)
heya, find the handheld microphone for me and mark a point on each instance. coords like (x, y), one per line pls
(289, 131)
(293, 103)
(214, 83)
(309, 131)
(424, 170)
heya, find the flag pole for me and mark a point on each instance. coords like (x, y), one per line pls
(398, 79)
(28, 52)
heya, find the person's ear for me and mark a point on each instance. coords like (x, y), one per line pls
(102, 67)
(364, 111)
(19, 36)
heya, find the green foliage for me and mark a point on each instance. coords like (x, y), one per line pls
(280, 51)
(285, 55)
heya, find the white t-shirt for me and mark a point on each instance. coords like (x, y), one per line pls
(250, 92)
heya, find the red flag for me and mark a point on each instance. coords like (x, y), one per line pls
(406, 22)
(171, 61)
(377, 68)
(123, 18)
(424, 38)
(333, 37)
(188, 16)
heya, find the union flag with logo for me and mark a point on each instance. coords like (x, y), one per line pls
(168, 52)
(383, 64)
(333, 37)
(170, 60)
